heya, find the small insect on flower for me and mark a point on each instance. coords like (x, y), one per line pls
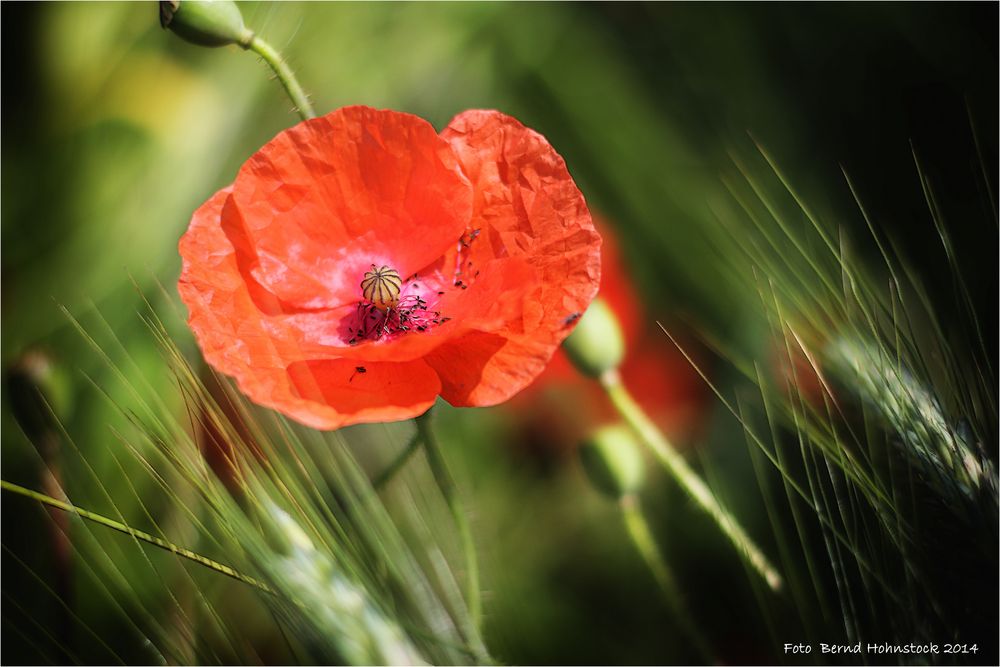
(571, 318)
(357, 369)
(381, 286)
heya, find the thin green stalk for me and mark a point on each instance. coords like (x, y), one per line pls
(397, 464)
(284, 74)
(450, 492)
(136, 534)
(645, 544)
(686, 477)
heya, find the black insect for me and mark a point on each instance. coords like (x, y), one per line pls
(571, 318)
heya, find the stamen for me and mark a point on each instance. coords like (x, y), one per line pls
(386, 310)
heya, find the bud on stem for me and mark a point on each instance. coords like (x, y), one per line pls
(219, 23)
(205, 22)
(612, 461)
(649, 434)
(597, 344)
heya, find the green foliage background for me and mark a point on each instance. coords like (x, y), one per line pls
(114, 131)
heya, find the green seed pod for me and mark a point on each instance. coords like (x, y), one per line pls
(596, 345)
(205, 22)
(611, 459)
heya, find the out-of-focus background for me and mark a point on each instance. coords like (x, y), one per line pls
(114, 131)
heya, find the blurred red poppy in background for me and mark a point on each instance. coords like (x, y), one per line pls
(562, 407)
(474, 245)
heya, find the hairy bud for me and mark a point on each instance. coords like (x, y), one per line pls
(205, 22)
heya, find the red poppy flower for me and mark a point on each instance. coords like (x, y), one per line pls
(474, 245)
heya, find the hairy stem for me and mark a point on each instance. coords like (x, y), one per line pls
(284, 74)
(689, 480)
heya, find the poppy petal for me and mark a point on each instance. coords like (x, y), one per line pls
(618, 293)
(373, 392)
(530, 208)
(324, 200)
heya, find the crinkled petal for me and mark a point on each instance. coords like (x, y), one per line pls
(616, 291)
(324, 200)
(526, 206)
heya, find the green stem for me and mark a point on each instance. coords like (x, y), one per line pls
(686, 477)
(397, 464)
(284, 74)
(137, 534)
(645, 544)
(450, 492)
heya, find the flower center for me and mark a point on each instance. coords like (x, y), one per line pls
(391, 306)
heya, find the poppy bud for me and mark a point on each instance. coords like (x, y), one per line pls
(597, 344)
(612, 461)
(205, 22)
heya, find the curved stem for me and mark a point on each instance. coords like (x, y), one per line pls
(645, 544)
(284, 74)
(687, 478)
(136, 534)
(450, 492)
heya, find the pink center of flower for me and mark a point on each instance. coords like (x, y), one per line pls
(392, 307)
